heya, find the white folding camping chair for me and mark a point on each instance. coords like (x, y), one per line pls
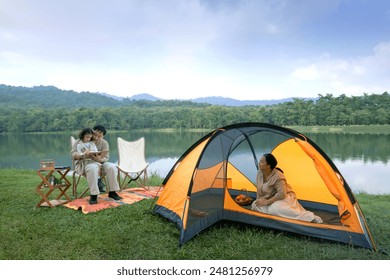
(132, 165)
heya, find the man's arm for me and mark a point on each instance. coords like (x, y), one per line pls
(105, 148)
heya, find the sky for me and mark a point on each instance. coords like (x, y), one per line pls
(185, 49)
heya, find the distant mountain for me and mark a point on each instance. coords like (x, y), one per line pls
(224, 101)
(51, 97)
(217, 100)
(119, 98)
(144, 96)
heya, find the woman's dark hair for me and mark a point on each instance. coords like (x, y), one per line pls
(279, 169)
(271, 160)
(84, 132)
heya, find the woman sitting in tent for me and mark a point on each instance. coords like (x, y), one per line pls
(275, 196)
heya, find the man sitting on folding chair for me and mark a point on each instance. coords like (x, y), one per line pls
(90, 164)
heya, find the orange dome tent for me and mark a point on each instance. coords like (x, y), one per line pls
(201, 188)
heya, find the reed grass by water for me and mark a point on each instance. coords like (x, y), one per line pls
(132, 232)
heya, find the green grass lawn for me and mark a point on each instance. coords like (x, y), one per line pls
(132, 232)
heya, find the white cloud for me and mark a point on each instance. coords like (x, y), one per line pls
(12, 58)
(306, 73)
(359, 70)
(379, 61)
(357, 75)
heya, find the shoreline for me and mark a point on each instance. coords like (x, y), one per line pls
(345, 129)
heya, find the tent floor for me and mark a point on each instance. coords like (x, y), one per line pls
(201, 205)
(330, 218)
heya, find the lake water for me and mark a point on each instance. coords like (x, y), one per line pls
(363, 159)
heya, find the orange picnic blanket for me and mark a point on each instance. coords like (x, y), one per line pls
(129, 196)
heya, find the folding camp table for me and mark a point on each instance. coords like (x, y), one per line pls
(50, 183)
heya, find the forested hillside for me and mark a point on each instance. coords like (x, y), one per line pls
(51, 114)
(52, 97)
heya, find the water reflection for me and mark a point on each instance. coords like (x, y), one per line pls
(362, 159)
(361, 147)
(368, 177)
(162, 166)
